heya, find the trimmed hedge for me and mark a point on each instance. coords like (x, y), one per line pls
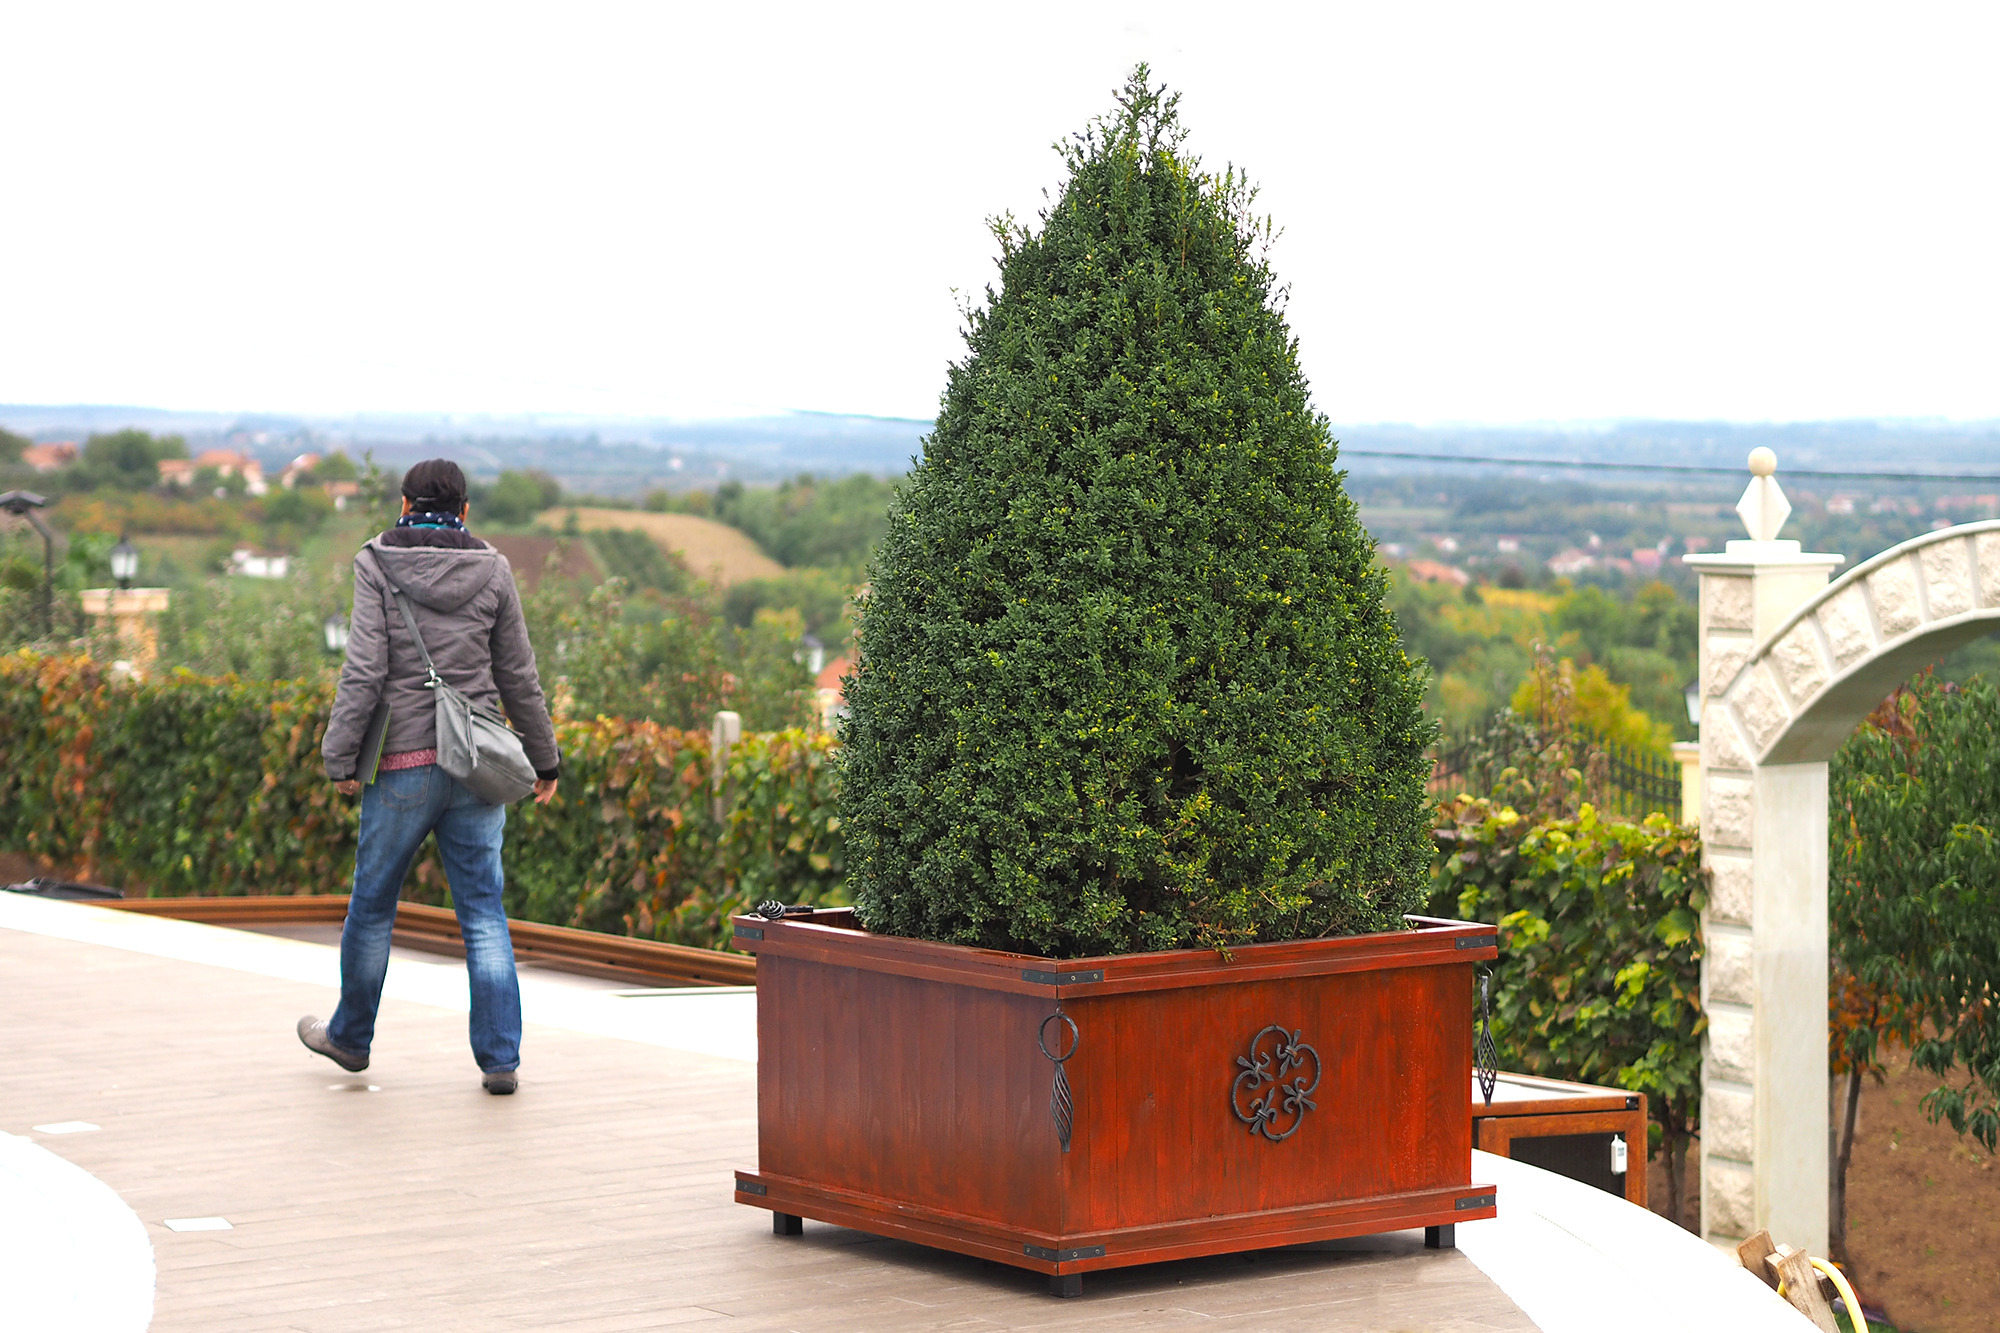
(1126, 676)
(186, 785)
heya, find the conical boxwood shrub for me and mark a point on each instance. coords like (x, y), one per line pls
(1126, 676)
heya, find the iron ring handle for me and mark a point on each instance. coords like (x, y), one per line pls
(1041, 1035)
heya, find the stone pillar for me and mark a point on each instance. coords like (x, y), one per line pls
(1688, 755)
(1764, 976)
(129, 612)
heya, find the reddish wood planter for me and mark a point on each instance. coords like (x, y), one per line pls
(1294, 1092)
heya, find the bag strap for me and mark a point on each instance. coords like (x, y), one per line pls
(403, 605)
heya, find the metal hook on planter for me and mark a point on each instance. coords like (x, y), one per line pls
(1486, 1055)
(1061, 1107)
(775, 910)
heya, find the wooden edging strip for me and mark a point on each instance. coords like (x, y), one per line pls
(613, 957)
(831, 938)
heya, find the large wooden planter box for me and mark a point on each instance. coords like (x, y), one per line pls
(1290, 1092)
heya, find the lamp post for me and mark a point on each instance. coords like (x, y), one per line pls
(1692, 696)
(23, 504)
(334, 630)
(124, 561)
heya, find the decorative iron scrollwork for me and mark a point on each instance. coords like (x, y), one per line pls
(1061, 1108)
(1274, 1054)
(1486, 1055)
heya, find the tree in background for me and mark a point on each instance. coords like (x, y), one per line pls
(804, 522)
(1126, 676)
(335, 466)
(517, 497)
(1479, 642)
(820, 598)
(1646, 643)
(125, 460)
(1914, 879)
(11, 446)
(253, 631)
(1594, 703)
(610, 658)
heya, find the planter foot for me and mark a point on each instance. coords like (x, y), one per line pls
(1441, 1238)
(790, 1224)
(1065, 1284)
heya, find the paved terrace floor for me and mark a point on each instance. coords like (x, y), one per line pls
(598, 1198)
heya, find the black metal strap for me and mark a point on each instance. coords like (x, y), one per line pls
(1485, 1054)
(1062, 1107)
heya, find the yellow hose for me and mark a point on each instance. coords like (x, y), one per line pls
(1854, 1315)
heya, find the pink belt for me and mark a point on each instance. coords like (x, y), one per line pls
(393, 763)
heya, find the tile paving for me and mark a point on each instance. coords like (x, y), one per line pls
(598, 1198)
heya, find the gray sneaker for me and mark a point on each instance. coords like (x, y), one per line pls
(312, 1031)
(501, 1084)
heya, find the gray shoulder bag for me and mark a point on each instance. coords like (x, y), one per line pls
(474, 743)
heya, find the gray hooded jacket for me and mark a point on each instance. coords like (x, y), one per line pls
(469, 611)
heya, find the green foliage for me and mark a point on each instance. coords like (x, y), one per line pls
(124, 460)
(680, 502)
(630, 844)
(251, 629)
(11, 446)
(381, 494)
(1598, 704)
(335, 466)
(804, 521)
(518, 496)
(820, 599)
(1645, 643)
(638, 559)
(1599, 977)
(1126, 678)
(187, 786)
(1480, 644)
(184, 785)
(291, 515)
(676, 670)
(1914, 877)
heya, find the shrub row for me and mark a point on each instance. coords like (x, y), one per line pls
(185, 785)
(188, 785)
(1599, 976)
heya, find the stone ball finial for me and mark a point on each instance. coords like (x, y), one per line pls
(1763, 507)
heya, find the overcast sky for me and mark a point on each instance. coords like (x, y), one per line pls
(1491, 213)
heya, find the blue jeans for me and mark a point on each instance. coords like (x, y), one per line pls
(397, 810)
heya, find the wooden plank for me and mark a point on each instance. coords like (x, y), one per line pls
(1801, 1286)
(1752, 1253)
(832, 938)
(1497, 1134)
(1561, 1097)
(589, 952)
(951, 1230)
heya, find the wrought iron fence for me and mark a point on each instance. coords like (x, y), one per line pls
(1614, 778)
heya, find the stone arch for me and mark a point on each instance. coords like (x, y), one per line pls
(1790, 665)
(1802, 691)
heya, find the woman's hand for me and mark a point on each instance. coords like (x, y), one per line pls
(545, 790)
(351, 787)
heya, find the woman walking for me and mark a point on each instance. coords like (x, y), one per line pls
(461, 594)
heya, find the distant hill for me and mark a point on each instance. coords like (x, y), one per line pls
(629, 456)
(613, 456)
(713, 551)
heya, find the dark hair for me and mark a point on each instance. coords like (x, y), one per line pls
(435, 486)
